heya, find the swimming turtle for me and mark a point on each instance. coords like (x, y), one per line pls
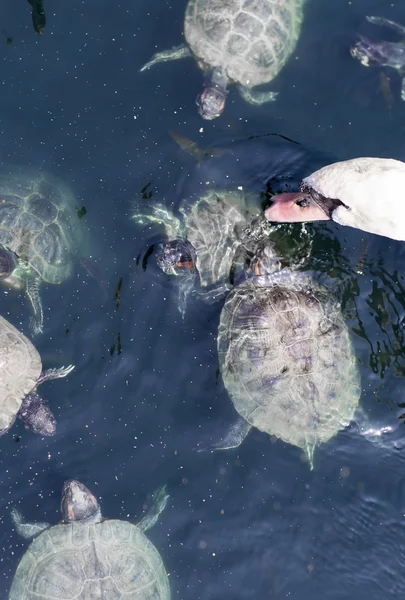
(246, 42)
(384, 54)
(210, 238)
(21, 374)
(39, 227)
(286, 359)
(86, 556)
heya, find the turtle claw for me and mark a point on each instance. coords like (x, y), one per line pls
(50, 374)
(36, 326)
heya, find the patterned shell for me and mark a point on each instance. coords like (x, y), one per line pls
(20, 367)
(249, 39)
(215, 227)
(111, 559)
(286, 358)
(38, 222)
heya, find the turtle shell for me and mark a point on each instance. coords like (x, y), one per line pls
(111, 559)
(215, 228)
(249, 39)
(21, 366)
(38, 223)
(286, 358)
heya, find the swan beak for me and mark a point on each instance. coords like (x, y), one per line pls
(294, 208)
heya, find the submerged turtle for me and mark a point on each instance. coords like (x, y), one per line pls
(286, 360)
(40, 230)
(210, 239)
(21, 374)
(384, 54)
(246, 42)
(86, 556)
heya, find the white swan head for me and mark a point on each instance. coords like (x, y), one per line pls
(366, 193)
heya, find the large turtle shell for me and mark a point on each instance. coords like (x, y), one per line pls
(20, 367)
(215, 227)
(249, 39)
(286, 358)
(38, 222)
(112, 559)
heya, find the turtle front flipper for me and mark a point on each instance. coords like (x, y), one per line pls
(50, 374)
(174, 53)
(233, 438)
(32, 291)
(159, 215)
(26, 530)
(400, 29)
(36, 415)
(256, 97)
(158, 503)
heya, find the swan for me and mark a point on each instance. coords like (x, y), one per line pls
(366, 193)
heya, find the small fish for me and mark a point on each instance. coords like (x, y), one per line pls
(146, 195)
(94, 272)
(38, 15)
(385, 87)
(81, 211)
(193, 149)
(119, 346)
(117, 295)
(146, 257)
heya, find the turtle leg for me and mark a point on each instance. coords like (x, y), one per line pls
(27, 530)
(161, 216)
(309, 453)
(387, 23)
(36, 415)
(255, 97)
(32, 291)
(403, 87)
(50, 374)
(233, 438)
(158, 503)
(173, 54)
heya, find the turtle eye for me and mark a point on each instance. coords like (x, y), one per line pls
(302, 202)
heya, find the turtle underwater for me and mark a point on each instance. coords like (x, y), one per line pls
(21, 374)
(209, 239)
(87, 556)
(382, 53)
(286, 359)
(40, 230)
(246, 42)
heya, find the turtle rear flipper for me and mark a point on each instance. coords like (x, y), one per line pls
(26, 530)
(174, 53)
(158, 504)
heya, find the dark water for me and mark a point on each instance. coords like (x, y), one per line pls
(248, 523)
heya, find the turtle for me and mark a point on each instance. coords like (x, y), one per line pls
(21, 374)
(87, 556)
(286, 359)
(39, 228)
(246, 42)
(212, 236)
(384, 54)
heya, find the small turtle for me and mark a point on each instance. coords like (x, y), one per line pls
(86, 556)
(383, 54)
(211, 238)
(39, 228)
(286, 360)
(246, 42)
(21, 374)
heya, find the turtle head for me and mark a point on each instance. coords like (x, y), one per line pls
(368, 52)
(176, 257)
(7, 263)
(78, 503)
(211, 102)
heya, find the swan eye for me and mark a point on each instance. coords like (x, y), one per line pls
(302, 202)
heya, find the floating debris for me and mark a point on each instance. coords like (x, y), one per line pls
(117, 295)
(146, 257)
(81, 211)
